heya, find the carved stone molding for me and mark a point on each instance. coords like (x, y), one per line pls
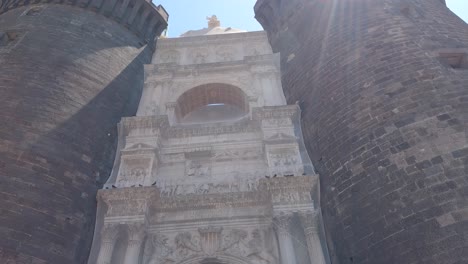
(275, 112)
(213, 201)
(298, 183)
(131, 123)
(128, 201)
(282, 221)
(309, 221)
(136, 232)
(110, 232)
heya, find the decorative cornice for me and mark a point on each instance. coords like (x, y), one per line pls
(119, 194)
(130, 123)
(147, 25)
(128, 202)
(212, 39)
(213, 201)
(242, 126)
(275, 112)
(298, 183)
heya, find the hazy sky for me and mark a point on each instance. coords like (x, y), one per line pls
(191, 14)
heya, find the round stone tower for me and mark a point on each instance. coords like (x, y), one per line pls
(69, 70)
(383, 89)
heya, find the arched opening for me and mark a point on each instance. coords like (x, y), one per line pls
(211, 103)
(211, 261)
(218, 259)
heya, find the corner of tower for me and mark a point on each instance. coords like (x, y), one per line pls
(141, 17)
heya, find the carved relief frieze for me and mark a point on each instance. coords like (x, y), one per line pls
(277, 123)
(254, 244)
(224, 200)
(238, 154)
(128, 201)
(135, 170)
(199, 55)
(170, 56)
(172, 158)
(140, 122)
(195, 168)
(243, 126)
(292, 191)
(157, 250)
(284, 160)
(275, 112)
(225, 53)
(290, 183)
(182, 187)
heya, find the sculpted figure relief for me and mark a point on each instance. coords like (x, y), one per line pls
(259, 250)
(195, 169)
(200, 56)
(185, 246)
(225, 53)
(234, 242)
(171, 56)
(157, 251)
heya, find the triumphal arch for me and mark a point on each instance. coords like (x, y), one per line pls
(212, 169)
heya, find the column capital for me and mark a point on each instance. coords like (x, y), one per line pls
(136, 231)
(309, 221)
(283, 220)
(110, 232)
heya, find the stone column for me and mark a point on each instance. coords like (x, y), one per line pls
(282, 223)
(136, 235)
(309, 222)
(109, 236)
(171, 109)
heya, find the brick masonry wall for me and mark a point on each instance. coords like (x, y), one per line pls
(385, 122)
(67, 76)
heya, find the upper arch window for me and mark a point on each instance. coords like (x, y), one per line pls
(211, 103)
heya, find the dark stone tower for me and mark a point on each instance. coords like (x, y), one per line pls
(69, 70)
(383, 85)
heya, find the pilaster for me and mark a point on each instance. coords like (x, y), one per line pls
(136, 234)
(109, 235)
(282, 223)
(310, 223)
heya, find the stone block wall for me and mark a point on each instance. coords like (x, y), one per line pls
(385, 119)
(67, 76)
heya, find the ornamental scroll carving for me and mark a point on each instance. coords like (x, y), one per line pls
(158, 251)
(255, 245)
(171, 56)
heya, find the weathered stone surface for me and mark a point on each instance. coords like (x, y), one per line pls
(385, 122)
(67, 76)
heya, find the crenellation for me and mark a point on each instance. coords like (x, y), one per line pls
(150, 18)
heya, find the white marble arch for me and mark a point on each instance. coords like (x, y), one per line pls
(249, 97)
(246, 87)
(223, 259)
(218, 98)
